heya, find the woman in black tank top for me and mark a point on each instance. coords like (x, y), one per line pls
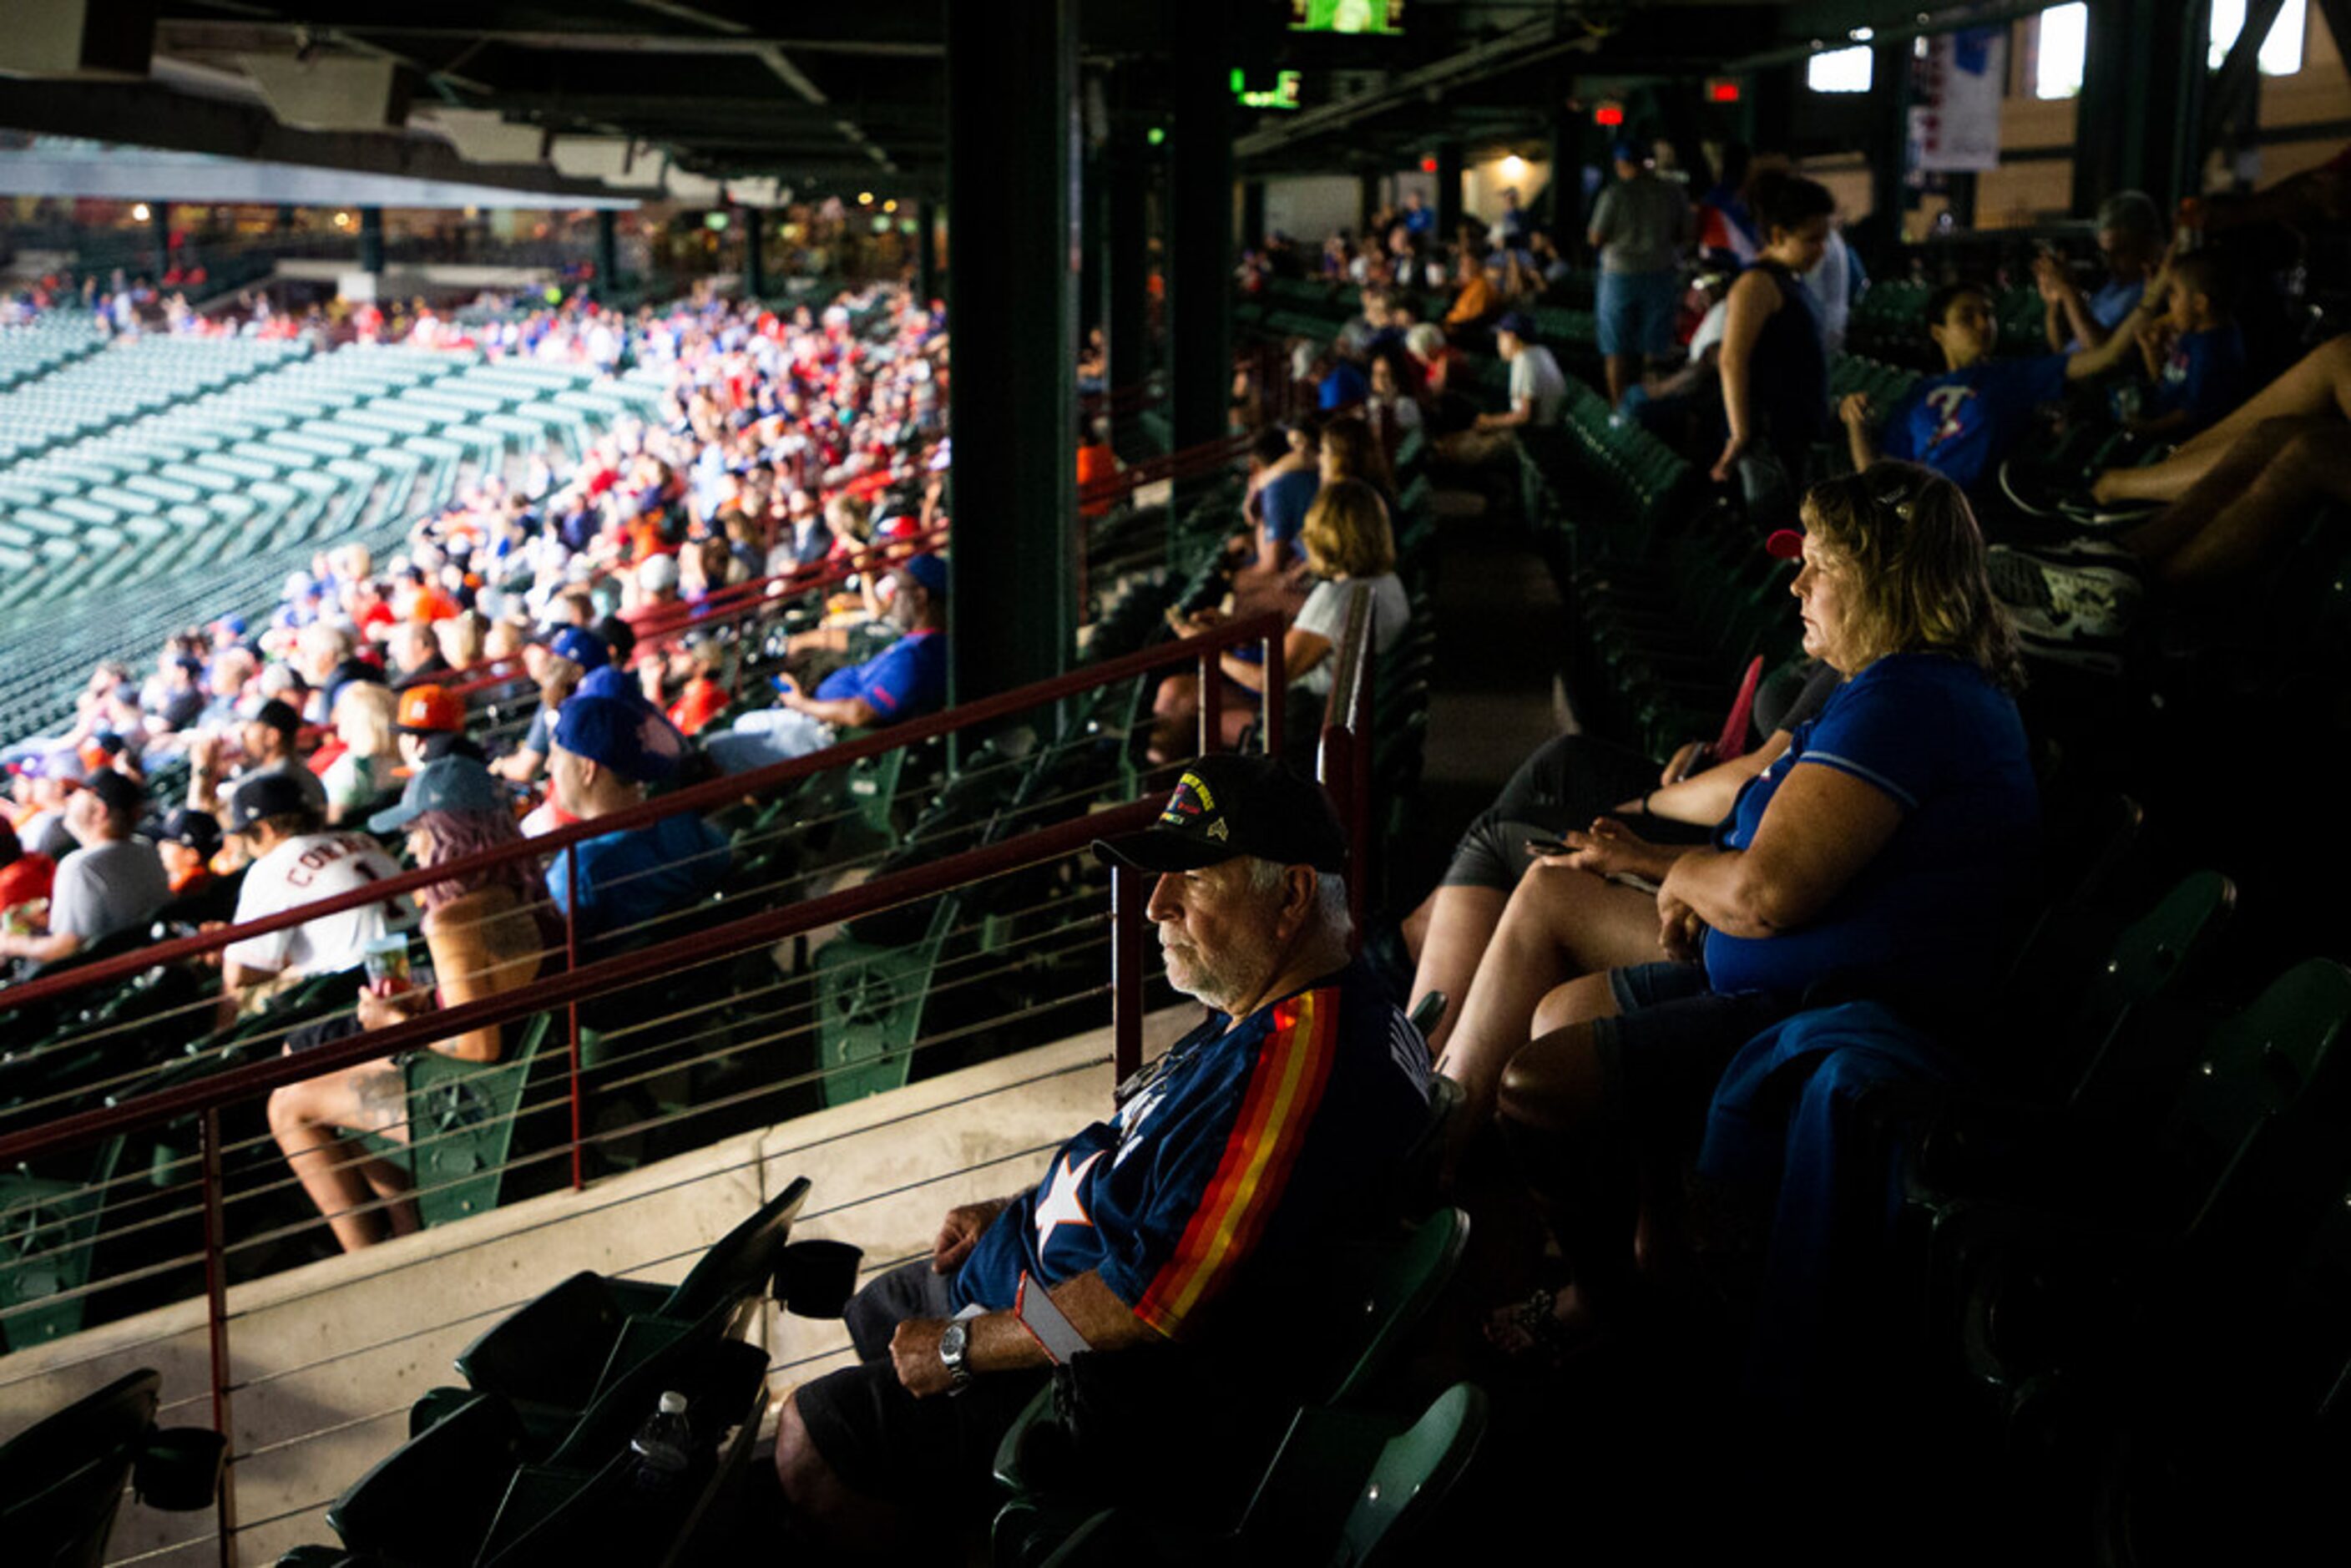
(1774, 368)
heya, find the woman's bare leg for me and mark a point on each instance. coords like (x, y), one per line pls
(1459, 923)
(2225, 524)
(1559, 923)
(340, 1180)
(2319, 384)
(1552, 1108)
(2316, 463)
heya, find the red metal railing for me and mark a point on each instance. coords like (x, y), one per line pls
(1201, 653)
(208, 1096)
(1344, 753)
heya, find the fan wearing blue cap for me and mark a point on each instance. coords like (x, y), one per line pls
(558, 663)
(607, 749)
(906, 680)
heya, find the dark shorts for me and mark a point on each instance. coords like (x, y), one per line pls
(1664, 1053)
(883, 1442)
(1567, 782)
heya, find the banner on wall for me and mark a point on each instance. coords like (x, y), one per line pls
(1955, 119)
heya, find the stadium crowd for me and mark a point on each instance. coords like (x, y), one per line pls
(1645, 970)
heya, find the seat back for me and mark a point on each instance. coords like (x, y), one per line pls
(740, 1263)
(2257, 1131)
(548, 1350)
(870, 1002)
(61, 1478)
(461, 1120)
(430, 1502)
(1350, 1489)
(1415, 1470)
(2114, 1016)
(1374, 1295)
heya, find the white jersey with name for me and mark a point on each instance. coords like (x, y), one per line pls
(302, 871)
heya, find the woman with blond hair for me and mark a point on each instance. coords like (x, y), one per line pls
(364, 773)
(1884, 854)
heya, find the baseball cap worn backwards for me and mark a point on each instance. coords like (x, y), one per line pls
(629, 738)
(1231, 805)
(449, 784)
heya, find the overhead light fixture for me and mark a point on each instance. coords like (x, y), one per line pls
(139, 212)
(890, 205)
(864, 198)
(1514, 167)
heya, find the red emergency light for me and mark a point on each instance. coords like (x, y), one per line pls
(1429, 164)
(1722, 91)
(1608, 114)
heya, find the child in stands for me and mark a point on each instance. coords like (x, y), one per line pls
(2195, 355)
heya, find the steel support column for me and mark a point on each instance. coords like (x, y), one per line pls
(1012, 306)
(926, 252)
(1200, 222)
(1448, 191)
(1126, 305)
(1252, 233)
(2140, 123)
(1889, 119)
(755, 256)
(159, 218)
(608, 252)
(372, 239)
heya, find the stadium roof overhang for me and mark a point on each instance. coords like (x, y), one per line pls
(574, 100)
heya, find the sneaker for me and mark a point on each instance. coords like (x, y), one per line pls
(2053, 603)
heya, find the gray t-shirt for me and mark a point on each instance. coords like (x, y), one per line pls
(1536, 380)
(1640, 224)
(108, 887)
(1324, 613)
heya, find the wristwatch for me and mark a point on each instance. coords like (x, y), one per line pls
(955, 1351)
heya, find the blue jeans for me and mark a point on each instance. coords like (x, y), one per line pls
(1636, 311)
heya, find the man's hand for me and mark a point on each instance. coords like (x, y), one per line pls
(960, 1232)
(1855, 411)
(914, 1353)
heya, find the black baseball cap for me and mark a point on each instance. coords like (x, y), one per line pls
(118, 792)
(265, 795)
(278, 715)
(197, 829)
(1236, 804)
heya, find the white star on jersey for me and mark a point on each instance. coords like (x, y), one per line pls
(1061, 1205)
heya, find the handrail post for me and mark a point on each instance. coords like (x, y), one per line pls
(1212, 700)
(1127, 900)
(1360, 729)
(216, 1327)
(571, 961)
(1277, 694)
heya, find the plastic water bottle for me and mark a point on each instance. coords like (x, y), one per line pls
(663, 1444)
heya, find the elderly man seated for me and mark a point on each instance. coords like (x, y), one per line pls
(1171, 1222)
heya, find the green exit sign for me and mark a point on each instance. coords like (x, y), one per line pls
(1283, 94)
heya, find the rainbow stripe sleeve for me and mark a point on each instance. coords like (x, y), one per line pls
(1286, 1085)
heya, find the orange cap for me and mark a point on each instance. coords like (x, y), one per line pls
(429, 710)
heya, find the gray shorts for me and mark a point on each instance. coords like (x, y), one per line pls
(883, 1442)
